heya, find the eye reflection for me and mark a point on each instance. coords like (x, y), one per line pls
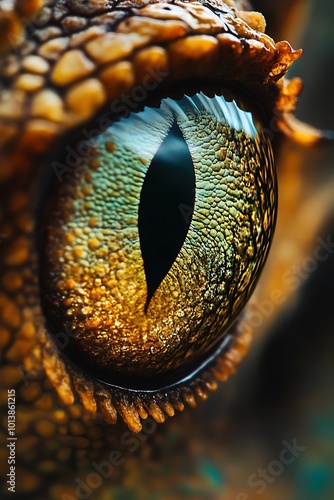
(152, 288)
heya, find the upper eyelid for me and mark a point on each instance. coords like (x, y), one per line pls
(46, 113)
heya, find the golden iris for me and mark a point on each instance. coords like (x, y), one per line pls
(153, 245)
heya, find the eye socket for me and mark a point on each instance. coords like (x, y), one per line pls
(151, 279)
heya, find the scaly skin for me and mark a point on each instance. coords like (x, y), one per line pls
(81, 57)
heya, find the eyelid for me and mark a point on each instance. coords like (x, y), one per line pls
(255, 65)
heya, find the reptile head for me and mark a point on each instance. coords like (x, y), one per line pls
(93, 100)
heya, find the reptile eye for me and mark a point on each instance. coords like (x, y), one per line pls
(154, 243)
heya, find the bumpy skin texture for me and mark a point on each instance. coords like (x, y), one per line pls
(79, 58)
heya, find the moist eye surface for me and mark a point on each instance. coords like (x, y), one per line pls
(154, 244)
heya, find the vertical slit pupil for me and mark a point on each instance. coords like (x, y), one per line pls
(166, 207)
